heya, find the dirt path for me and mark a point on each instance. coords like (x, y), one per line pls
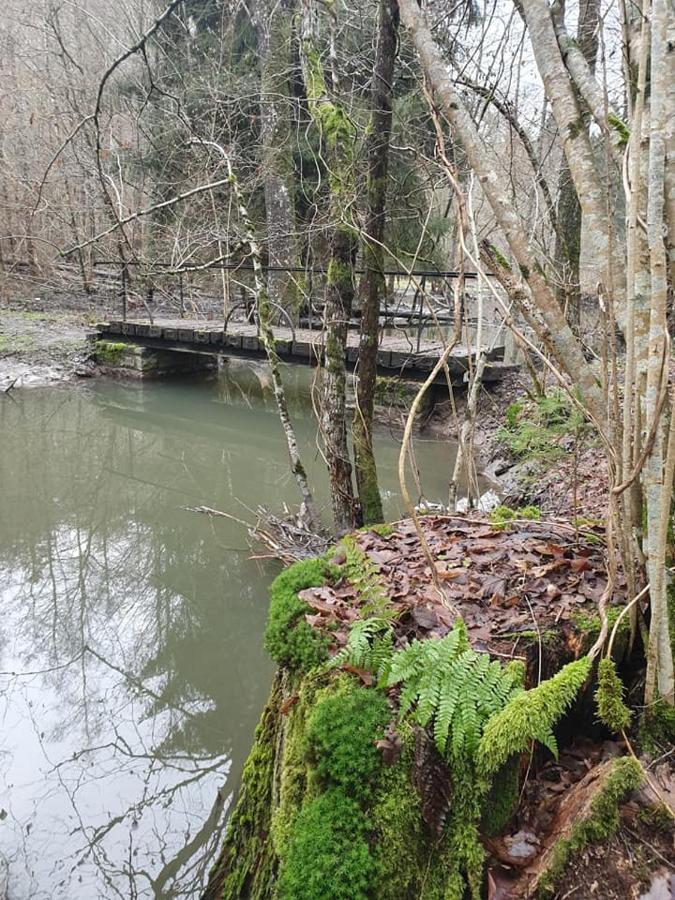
(41, 347)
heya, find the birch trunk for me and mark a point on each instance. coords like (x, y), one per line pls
(308, 510)
(660, 679)
(553, 328)
(588, 183)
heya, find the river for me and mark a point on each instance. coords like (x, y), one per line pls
(132, 671)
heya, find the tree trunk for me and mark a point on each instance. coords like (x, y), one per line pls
(552, 328)
(337, 133)
(373, 284)
(660, 658)
(273, 22)
(568, 234)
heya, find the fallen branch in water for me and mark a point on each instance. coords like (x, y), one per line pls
(288, 537)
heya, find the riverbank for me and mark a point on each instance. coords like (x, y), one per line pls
(447, 737)
(40, 347)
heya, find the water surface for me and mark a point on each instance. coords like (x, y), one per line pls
(132, 672)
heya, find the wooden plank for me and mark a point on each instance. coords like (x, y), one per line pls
(202, 336)
(232, 340)
(186, 334)
(155, 331)
(128, 328)
(169, 334)
(142, 330)
(217, 338)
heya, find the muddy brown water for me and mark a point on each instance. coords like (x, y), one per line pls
(132, 671)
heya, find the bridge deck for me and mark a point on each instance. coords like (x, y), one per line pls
(397, 354)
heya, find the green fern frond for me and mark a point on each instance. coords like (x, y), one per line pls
(451, 686)
(531, 715)
(369, 646)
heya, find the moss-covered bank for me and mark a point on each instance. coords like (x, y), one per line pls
(378, 771)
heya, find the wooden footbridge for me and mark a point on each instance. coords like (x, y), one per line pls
(398, 353)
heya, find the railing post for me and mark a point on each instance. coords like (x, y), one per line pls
(124, 291)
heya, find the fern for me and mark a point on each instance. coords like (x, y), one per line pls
(363, 575)
(370, 646)
(451, 686)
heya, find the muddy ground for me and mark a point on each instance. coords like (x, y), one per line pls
(41, 347)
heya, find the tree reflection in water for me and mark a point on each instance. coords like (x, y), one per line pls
(132, 671)
(131, 660)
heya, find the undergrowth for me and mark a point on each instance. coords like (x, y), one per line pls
(534, 426)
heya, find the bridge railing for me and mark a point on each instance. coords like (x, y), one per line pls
(164, 289)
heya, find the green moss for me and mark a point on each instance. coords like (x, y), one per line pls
(328, 854)
(589, 625)
(502, 515)
(383, 529)
(341, 734)
(246, 864)
(465, 857)
(612, 711)
(289, 640)
(109, 352)
(502, 798)
(657, 727)
(295, 777)
(500, 258)
(401, 848)
(624, 776)
(534, 427)
(531, 715)
(620, 127)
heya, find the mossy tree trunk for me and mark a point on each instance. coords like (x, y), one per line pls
(273, 22)
(338, 136)
(373, 253)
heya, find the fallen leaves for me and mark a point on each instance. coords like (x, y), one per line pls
(503, 582)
